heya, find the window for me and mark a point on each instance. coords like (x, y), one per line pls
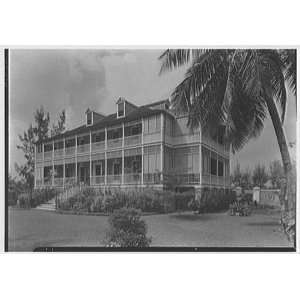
(70, 143)
(114, 133)
(213, 166)
(121, 109)
(99, 170)
(89, 119)
(220, 169)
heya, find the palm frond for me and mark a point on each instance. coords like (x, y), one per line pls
(289, 59)
(174, 58)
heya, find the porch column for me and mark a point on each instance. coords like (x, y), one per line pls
(90, 158)
(122, 180)
(162, 148)
(105, 168)
(200, 164)
(76, 159)
(142, 174)
(105, 158)
(210, 169)
(52, 163)
(64, 164)
(35, 173)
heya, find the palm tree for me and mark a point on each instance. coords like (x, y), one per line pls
(237, 88)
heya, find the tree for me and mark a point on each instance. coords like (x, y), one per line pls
(33, 135)
(27, 146)
(246, 179)
(276, 173)
(60, 127)
(237, 88)
(237, 175)
(42, 121)
(260, 176)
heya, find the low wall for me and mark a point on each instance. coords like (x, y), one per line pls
(268, 197)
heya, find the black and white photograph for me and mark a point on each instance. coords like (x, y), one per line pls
(146, 149)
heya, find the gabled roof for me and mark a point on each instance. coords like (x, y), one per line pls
(110, 120)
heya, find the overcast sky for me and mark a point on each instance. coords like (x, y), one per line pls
(77, 79)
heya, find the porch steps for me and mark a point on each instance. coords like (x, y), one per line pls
(50, 205)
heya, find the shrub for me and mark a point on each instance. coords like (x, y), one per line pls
(12, 198)
(41, 196)
(127, 229)
(212, 201)
(147, 200)
(24, 200)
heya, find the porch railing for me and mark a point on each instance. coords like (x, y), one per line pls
(114, 179)
(58, 181)
(48, 155)
(83, 148)
(191, 178)
(59, 153)
(70, 180)
(39, 156)
(97, 180)
(152, 178)
(70, 151)
(135, 178)
(98, 146)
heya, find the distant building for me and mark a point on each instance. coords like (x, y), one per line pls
(137, 146)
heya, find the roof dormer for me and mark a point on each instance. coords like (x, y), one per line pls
(92, 117)
(121, 108)
(89, 117)
(124, 107)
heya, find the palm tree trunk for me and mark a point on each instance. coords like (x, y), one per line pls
(288, 198)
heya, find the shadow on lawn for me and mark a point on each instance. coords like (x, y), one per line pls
(191, 217)
(270, 223)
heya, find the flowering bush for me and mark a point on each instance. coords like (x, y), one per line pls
(127, 229)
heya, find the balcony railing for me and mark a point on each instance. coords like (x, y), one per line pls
(135, 178)
(98, 146)
(83, 148)
(69, 151)
(48, 155)
(59, 153)
(114, 179)
(98, 180)
(114, 143)
(133, 140)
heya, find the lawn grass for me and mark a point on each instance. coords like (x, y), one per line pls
(29, 229)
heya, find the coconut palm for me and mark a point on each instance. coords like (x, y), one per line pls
(237, 88)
